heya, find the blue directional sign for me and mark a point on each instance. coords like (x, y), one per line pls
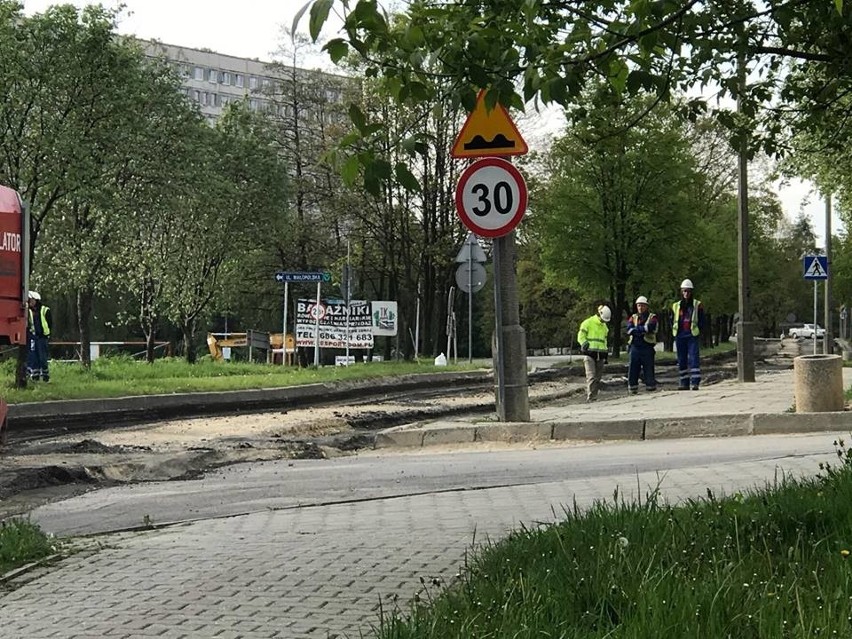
(816, 267)
(302, 276)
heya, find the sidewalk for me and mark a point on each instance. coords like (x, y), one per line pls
(727, 408)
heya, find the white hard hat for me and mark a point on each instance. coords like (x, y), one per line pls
(687, 283)
(641, 300)
(34, 296)
(605, 313)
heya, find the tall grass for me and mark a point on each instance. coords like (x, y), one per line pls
(771, 563)
(117, 376)
(22, 542)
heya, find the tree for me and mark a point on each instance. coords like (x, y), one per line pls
(614, 208)
(552, 50)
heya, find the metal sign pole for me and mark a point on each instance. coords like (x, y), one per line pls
(470, 306)
(815, 316)
(284, 327)
(498, 327)
(348, 298)
(317, 327)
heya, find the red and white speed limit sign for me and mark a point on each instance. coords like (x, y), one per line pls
(491, 197)
(316, 312)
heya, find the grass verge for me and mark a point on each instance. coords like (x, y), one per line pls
(123, 376)
(21, 543)
(769, 563)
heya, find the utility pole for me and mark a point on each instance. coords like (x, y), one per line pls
(745, 327)
(513, 390)
(828, 343)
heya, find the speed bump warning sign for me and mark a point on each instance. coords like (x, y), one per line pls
(488, 133)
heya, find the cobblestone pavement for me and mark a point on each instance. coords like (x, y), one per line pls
(315, 572)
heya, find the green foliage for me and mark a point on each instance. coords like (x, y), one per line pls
(768, 563)
(21, 543)
(613, 208)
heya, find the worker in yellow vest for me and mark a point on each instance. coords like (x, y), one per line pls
(592, 338)
(39, 323)
(687, 320)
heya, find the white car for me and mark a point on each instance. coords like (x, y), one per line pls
(808, 331)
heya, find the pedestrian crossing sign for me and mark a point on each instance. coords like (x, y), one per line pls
(816, 267)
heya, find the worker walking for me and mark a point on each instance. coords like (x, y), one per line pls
(39, 322)
(688, 318)
(592, 338)
(641, 340)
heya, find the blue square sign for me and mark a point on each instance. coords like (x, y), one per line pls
(816, 267)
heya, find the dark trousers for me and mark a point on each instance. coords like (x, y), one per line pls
(37, 358)
(688, 360)
(641, 362)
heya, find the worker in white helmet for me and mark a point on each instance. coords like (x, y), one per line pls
(687, 320)
(592, 338)
(641, 340)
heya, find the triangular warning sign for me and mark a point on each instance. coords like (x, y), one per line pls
(488, 133)
(814, 269)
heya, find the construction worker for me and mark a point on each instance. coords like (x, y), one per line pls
(641, 340)
(39, 323)
(592, 338)
(687, 320)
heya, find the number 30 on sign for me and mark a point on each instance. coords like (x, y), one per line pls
(491, 197)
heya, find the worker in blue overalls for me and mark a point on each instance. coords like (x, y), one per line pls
(641, 339)
(687, 320)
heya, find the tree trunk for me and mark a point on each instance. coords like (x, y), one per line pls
(188, 330)
(85, 297)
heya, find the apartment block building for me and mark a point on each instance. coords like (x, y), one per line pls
(213, 80)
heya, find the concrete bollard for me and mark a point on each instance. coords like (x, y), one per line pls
(818, 383)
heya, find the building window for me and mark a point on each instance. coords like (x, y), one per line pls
(253, 105)
(239, 80)
(196, 95)
(212, 75)
(199, 73)
(332, 95)
(213, 100)
(252, 83)
(265, 84)
(224, 77)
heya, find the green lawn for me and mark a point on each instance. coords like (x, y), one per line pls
(123, 376)
(771, 563)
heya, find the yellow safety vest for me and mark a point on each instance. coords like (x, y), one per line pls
(693, 322)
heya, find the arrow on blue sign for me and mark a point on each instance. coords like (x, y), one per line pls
(816, 267)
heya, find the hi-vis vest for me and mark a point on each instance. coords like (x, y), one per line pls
(648, 336)
(693, 321)
(42, 318)
(594, 331)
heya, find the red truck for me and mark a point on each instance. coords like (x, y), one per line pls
(14, 279)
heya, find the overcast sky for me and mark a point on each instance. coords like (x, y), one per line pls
(253, 29)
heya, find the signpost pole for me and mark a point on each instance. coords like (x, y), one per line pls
(284, 327)
(470, 306)
(450, 316)
(417, 324)
(347, 298)
(815, 316)
(317, 327)
(498, 333)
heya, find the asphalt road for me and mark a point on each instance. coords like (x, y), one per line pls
(258, 487)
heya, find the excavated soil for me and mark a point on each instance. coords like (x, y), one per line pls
(34, 473)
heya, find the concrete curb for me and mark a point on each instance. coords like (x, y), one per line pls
(733, 425)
